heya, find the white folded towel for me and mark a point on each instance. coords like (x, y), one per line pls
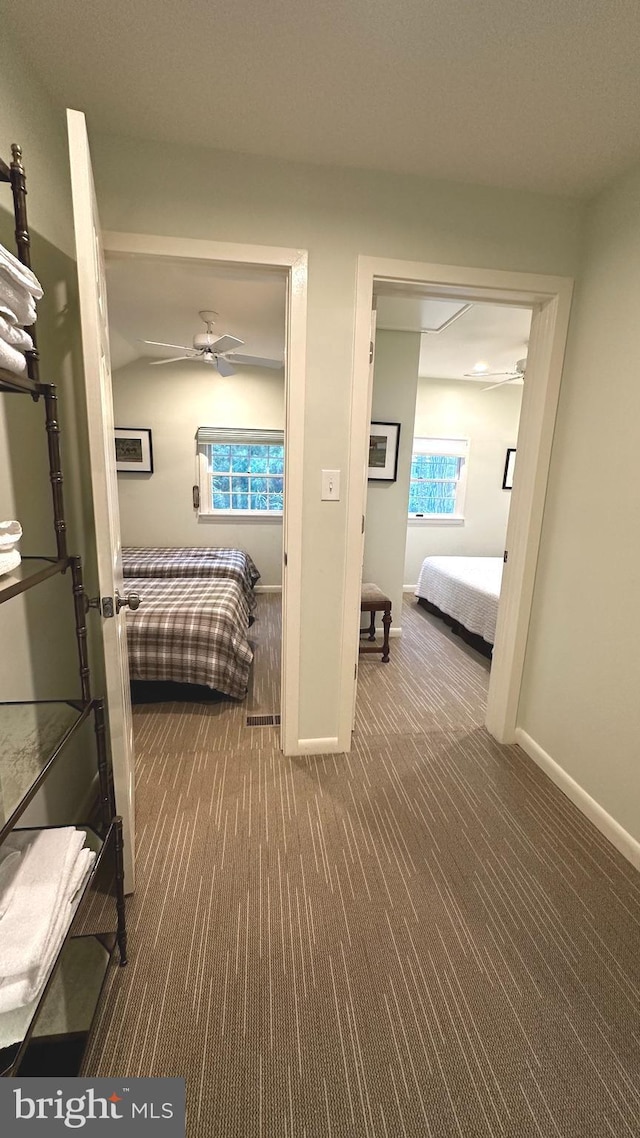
(19, 273)
(9, 859)
(11, 359)
(17, 304)
(52, 869)
(9, 561)
(10, 534)
(15, 336)
(18, 990)
(46, 868)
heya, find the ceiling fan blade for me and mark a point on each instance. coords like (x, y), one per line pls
(500, 384)
(174, 360)
(224, 367)
(226, 344)
(255, 361)
(160, 344)
(488, 374)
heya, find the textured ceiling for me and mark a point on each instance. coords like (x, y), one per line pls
(155, 299)
(540, 94)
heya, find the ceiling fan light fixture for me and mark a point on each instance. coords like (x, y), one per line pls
(204, 340)
(213, 349)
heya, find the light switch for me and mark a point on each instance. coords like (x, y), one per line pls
(330, 485)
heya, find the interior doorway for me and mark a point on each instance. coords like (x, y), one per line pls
(269, 270)
(447, 391)
(197, 360)
(549, 298)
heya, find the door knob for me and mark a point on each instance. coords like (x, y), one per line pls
(131, 599)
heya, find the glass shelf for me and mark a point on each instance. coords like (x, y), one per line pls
(30, 572)
(96, 914)
(31, 737)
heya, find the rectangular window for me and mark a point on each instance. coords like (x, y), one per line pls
(241, 472)
(438, 479)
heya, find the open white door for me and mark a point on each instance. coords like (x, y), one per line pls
(97, 371)
(372, 359)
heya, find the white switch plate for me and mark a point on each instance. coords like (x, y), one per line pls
(330, 485)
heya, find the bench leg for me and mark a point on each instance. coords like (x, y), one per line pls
(386, 622)
(372, 627)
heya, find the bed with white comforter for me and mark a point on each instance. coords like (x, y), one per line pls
(465, 588)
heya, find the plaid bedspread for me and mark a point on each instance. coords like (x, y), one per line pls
(192, 632)
(192, 561)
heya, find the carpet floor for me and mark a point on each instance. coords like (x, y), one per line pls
(421, 938)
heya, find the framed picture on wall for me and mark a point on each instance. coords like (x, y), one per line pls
(134, 453)
(384, 440)
(509, 467)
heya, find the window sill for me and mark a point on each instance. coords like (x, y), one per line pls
(242, 516)
(444, 521)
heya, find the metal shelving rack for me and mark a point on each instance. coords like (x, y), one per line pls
(51, 1036)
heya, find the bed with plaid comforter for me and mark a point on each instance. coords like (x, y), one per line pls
(192, 561)
(190, 631)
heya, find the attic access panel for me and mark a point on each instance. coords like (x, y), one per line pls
(417, 313)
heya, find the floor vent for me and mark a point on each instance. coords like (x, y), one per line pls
(263, 720)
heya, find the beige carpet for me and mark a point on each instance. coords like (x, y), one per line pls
(422, 938)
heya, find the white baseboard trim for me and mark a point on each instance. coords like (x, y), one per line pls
(395, 630)
(328, 746)
(621, 839)
(410, 588)
(267, 588)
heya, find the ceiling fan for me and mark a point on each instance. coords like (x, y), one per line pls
(518, 372)
(218, 351)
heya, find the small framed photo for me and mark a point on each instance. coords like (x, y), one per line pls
(384, 440)
(134, 453)
(509, 467)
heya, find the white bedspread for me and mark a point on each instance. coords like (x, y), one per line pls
(466, 588)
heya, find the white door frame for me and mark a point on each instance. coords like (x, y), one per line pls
(550, 298)
(293, 264)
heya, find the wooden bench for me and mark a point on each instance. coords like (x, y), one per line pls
(373, 600)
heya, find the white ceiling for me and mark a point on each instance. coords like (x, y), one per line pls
(542, 95)
(153, 299)
(492, 333)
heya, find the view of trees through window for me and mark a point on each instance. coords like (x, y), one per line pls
(434, 483)
(246, 477)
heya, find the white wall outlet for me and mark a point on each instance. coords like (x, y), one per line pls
(330, 486)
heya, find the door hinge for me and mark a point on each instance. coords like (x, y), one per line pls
(285, 560)
(196, 497)
(370, 351)
(362, 530)
(505, 556)
(106, 607)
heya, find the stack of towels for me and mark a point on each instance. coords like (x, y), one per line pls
(19, 291)
(10, 534)
(41, 875)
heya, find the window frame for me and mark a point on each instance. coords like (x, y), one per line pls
(446, 447)
(204, 508)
